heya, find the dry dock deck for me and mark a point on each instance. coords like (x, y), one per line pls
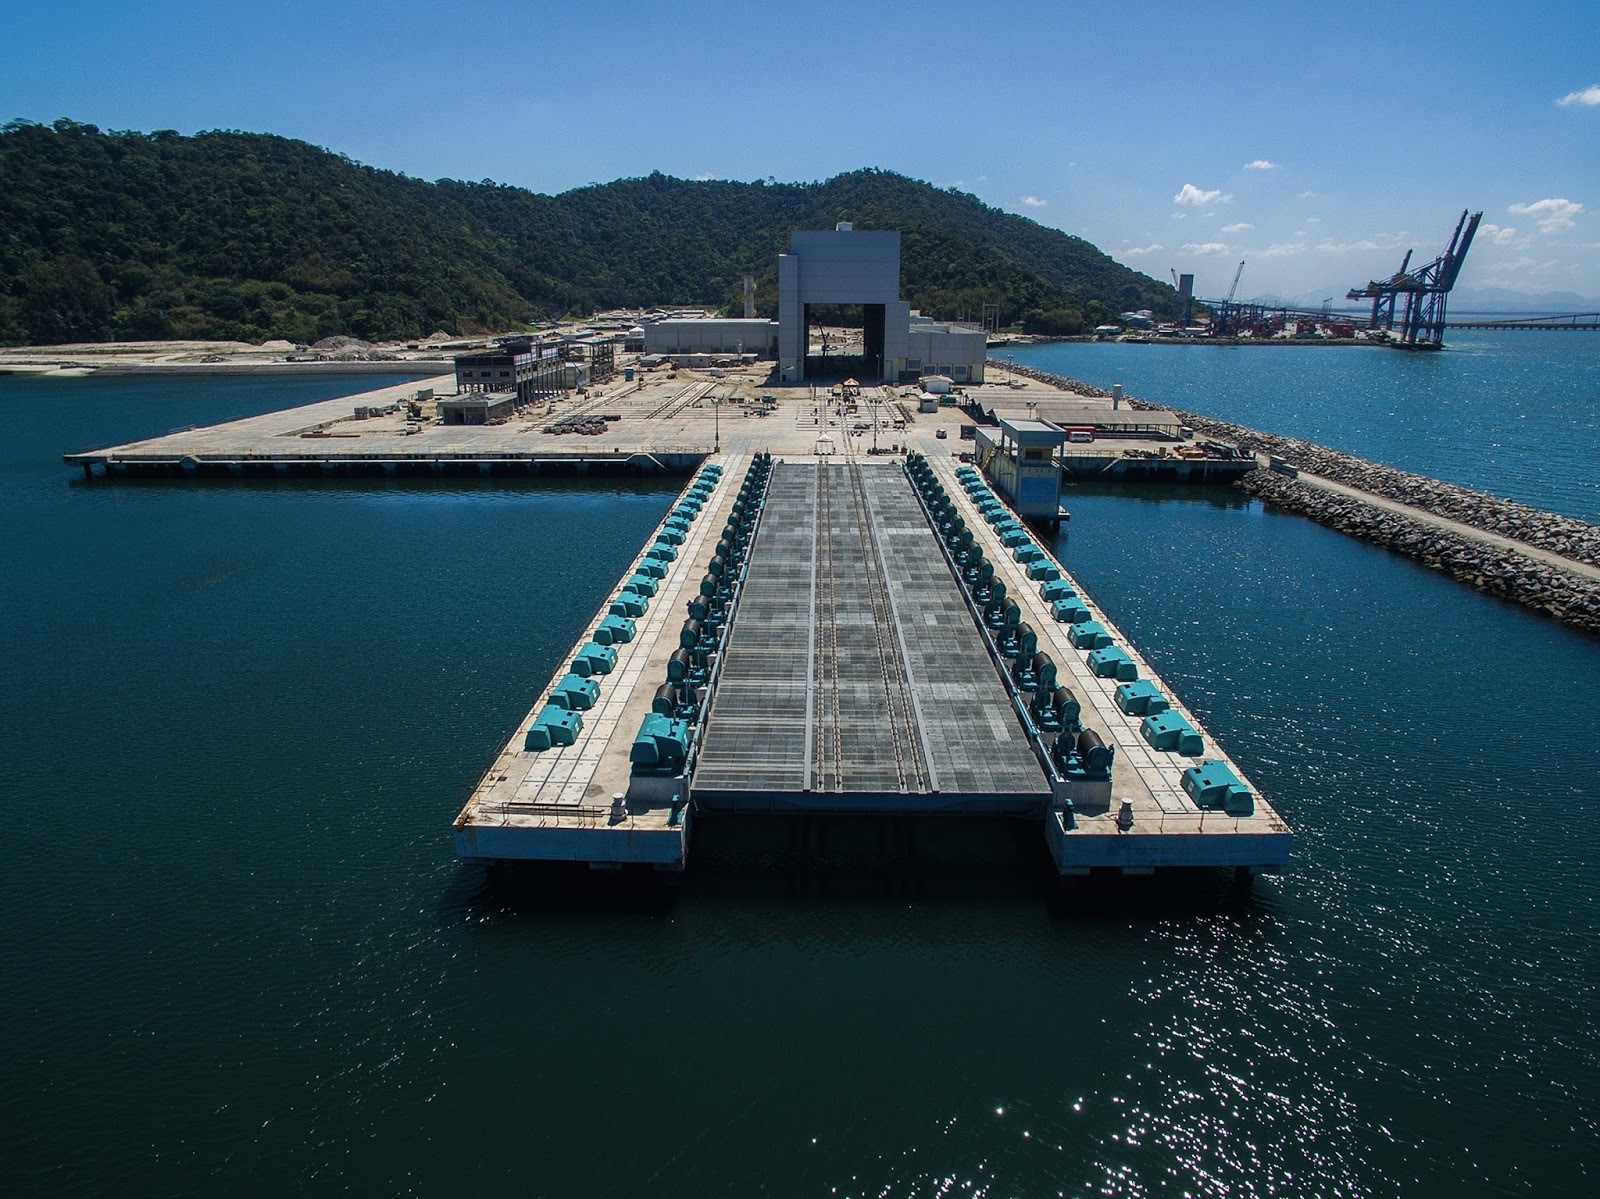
(853, 678)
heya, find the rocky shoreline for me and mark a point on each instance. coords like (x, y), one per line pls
(1496, 570)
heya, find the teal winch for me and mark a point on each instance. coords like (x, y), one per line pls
(1069, 611)
(614, 629)
(1169, 731)
(661, 746)
(1088, 634)
(1085, 757)
(1213, 786)
(1052, 590)
(629, 604)
(1140, 698)
(593, 658)
(575, 693)
(1019, 641)
(1056, 711)
(554, 726)
(1112, 662)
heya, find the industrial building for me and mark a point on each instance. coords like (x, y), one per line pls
(521, 367)
(844, 266)
(478, 408)
(956, 352)
(597, 355)
(1154, 423)
(715, 336)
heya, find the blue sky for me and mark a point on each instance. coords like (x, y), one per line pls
(1314, 142)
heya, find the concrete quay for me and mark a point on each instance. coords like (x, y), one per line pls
(328, 438)
(662, 421)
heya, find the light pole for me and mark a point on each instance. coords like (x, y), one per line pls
(716, 420)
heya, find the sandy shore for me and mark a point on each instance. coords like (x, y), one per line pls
(223, 358)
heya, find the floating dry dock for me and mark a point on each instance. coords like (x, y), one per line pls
(830, 629)
(874, 636)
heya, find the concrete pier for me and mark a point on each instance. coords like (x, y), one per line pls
(1147, 819)
(571, 802)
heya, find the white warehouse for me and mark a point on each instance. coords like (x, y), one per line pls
(941, 348)
(713, 336)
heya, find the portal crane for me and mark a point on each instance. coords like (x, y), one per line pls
(1425, 290)
(1225, 314)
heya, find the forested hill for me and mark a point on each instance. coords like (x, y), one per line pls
(111, 236)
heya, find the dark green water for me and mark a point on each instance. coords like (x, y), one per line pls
(239, 957)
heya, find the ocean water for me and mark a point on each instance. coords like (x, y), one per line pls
(238, 955)
(1515, 414)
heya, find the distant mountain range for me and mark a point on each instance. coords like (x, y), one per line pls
(1504, 299)
(249, 236)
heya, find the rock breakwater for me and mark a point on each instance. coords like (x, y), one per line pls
(1564, 535)
(1494, 569)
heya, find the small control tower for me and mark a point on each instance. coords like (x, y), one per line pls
(1019, 457)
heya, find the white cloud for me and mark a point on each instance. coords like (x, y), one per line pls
(1280, 249)
(1178, 216)
(1305, 195)
(1553, 215)
(1500, 235)
(1140, 250)
(1588, 96)
(1034, 201)
(1347, 247)
(1313, 220)
(1190, 194)
(1207, 247)
(1238, 227)
(1261, 164)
